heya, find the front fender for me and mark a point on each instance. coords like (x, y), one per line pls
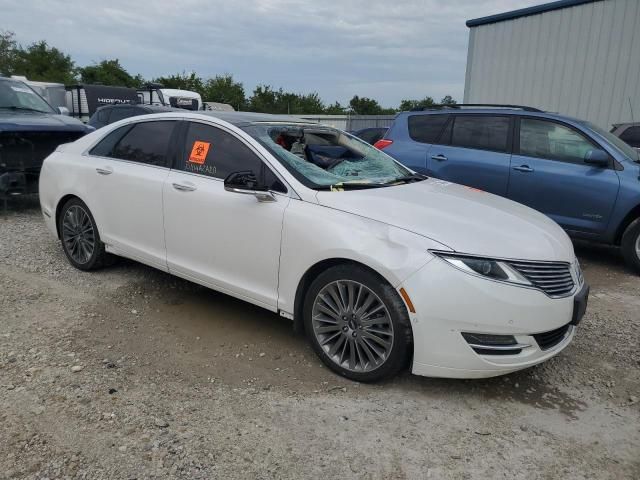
(312, 234)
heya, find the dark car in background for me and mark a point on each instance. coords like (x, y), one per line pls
(583, 177)
(370, 135)
(112, 113)
(30, 130)
(628, 133)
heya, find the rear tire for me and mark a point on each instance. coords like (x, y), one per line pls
(631, 245)
(357, 324)
(80, 237)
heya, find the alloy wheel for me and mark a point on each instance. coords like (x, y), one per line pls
(78, 234)
(352, 325)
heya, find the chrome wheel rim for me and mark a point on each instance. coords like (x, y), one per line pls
(352, 325)
(78, 234)
(638, 247)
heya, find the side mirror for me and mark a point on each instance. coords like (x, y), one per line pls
(245, 182)
(63, 111)
(597, 158)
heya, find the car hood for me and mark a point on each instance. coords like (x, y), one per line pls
(466, 220)
(12, 121)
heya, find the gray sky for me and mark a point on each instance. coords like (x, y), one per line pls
(388, 50)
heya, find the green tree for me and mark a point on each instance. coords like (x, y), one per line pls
(224, 89)
(365, 106)
(109, 72)
(407, 105)
(335, 109)
(448, 100)
(8, 52)
(41, 62)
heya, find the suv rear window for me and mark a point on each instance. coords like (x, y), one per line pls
(426, 128)
(481, 132)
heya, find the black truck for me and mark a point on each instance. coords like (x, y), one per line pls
(30, 130)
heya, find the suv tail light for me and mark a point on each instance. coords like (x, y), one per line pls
(382, 144)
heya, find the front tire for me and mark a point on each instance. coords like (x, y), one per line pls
(79, 236)
(357, 324)
(631, 245)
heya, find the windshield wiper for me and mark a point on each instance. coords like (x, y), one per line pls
(414, 177)
(336, 187)
(25, 109)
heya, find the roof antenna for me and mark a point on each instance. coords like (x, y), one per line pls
(631, 108)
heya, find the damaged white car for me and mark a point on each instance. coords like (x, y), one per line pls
(382, 267)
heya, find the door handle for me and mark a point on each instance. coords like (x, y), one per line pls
(104, 171)
(439, 157)
(183, 187)
(523, 168)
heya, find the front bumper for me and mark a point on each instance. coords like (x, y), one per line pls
(449, 302)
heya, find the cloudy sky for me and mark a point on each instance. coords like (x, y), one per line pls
(388, 50)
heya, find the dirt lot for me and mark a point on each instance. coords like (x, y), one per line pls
(130, 373)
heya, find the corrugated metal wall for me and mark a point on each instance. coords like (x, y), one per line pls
(582, 61)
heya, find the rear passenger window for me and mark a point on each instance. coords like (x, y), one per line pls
(426, 128)
(481, 132)
(632, 136)
(145, 142)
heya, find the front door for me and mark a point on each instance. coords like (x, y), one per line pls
(226, 240)
(548, 173)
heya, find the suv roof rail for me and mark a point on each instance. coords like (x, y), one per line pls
(480, 105)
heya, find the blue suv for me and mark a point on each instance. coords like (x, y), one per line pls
(583, 177)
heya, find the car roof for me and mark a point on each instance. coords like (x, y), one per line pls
(494, 111)
(150, 108)
(247, 118)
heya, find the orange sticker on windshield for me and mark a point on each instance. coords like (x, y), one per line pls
(199, 152)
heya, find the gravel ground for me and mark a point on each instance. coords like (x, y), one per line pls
(131, 373)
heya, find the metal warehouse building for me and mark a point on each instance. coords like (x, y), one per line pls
(576, 57)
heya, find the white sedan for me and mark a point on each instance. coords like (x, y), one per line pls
(380, 266)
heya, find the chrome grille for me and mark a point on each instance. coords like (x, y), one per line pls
(553, 278)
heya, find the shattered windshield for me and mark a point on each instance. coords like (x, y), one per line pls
(16, 95)
(325, 158)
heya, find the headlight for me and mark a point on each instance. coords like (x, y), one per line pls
(485, 267)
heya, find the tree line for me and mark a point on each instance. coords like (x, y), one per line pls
(42, 62)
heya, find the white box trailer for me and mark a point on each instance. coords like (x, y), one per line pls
(170, 97)
(53, 93)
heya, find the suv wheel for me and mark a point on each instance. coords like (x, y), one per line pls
(357, 324)
(631, 245)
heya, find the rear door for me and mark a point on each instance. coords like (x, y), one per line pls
(411, 144)
(474, 150)
(129, 167)
(548, 173)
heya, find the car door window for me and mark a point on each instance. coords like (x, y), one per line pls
(426, 128)
(632, 136)
(145, 142)
(481, 132)
(553, 141)
(215, 153)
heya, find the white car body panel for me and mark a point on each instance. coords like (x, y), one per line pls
(446, 211)
(260, 251)
(236, 245)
